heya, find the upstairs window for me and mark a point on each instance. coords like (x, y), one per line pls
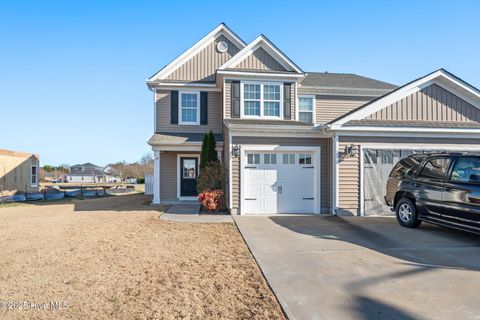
(189, 107)
(262, 100)
(271, 98)
(252, 101)
(306, 109)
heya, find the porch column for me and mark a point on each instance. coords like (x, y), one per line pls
(156, 177)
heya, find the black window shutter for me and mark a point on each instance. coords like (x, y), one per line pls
(287, 101)
(235, 112)
(174, 107)
(203, 107)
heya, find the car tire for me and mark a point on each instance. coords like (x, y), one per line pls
(406, 213)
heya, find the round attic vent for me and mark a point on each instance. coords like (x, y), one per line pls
(222, 46)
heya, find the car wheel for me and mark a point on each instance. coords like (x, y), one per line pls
(407, 214)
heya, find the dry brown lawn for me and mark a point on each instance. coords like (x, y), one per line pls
(113, 258)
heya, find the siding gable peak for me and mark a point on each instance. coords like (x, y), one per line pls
(261, 54)
(201, 53)
(440, 92)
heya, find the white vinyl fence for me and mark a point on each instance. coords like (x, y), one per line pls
(148, 185)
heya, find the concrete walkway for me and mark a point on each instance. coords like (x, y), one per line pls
(365, 267)
(189, 212)
(184, 208)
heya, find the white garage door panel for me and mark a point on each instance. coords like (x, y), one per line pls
(279, 187)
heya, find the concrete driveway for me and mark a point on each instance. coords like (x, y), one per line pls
(366, 267)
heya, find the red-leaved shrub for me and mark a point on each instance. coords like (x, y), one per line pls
(213, 200)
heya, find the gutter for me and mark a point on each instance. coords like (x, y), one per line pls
(275, 127)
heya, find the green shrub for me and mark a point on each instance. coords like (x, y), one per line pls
(208, 152)
(211, 177)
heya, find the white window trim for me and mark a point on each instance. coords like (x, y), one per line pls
(197, 93)
(34, 163)
(262, 116)
(314, 113)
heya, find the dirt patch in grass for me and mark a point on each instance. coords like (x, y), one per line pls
(113, 258)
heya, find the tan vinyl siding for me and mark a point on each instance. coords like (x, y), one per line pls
(168, 175)
(227, 101)
(329, 108)
(432, 103)
(226, 164)
(203, 65)
(260, 60)
(163, 114)
(293, 99)
(348, 180)
(235, 183)
(325, 164)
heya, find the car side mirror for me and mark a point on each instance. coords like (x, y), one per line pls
(474, 178)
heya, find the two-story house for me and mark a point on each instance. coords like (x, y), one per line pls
(295, 141)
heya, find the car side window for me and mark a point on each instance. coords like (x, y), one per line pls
(400, 170)
(465, 170)
(435, 169)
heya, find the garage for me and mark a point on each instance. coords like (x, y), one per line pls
(377, 165)
(280, 182)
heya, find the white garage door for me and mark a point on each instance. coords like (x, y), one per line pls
(279, 182)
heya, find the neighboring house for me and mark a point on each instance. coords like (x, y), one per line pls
(131, 180)
(296, 141)
(89, 173)
(19, 171)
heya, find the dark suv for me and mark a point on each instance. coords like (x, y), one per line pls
(442, 188)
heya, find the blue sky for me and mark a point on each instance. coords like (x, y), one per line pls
(72, 73)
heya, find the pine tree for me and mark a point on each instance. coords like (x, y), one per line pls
(212, 144)
(208, 152)
(203, 152)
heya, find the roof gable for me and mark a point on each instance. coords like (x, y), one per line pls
(260, 60)
(262, 53)
(440, 80)
(432, 103)
(220, 32)
(203, 65)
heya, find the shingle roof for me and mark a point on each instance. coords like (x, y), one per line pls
(87, 165)
(414, 124)
(180, 137)
(344, 80)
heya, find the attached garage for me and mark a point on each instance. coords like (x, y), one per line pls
(436, 113)
(279, 180)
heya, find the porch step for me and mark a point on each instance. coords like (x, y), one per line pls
(184, 208)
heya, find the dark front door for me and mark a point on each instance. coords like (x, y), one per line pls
(188, 177)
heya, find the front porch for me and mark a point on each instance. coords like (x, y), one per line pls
(176, 166)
